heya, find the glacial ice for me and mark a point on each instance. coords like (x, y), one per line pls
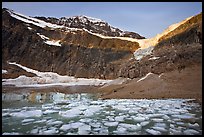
(24, 114)
(87, 116)
(153, 132)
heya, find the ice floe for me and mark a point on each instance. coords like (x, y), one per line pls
(102, 117)
(190, 132)
(111, 124)
(12, 133)
(161, 129)
(28, 120)
(84, 129)
(24, 114)
(49, 111)
(153, 132)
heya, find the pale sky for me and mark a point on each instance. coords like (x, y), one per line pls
(145, 18)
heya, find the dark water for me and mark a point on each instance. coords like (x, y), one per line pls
(59, 113)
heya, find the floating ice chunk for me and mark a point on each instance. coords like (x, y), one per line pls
(65, 127)
(161, 125)
(111, 124)
(74, 112)
(71, 125)
(165, 117)
(190, 132)
(84, 129)
(49, 111)
(95, 125)
(111, 118)
(161, 129)
(103, 131)
(40, 121)
(139, 119)
(119, 118)
(175, 131)
(69, 133)
(28, 120)
(49, 132)
(92, 110)
(55, 123)
(120, 107)
(153, 132)
(120, 130)
(157, 120)
(88, 120)
(5, 114)
(131, 127)
(195, 125)
(31, 113)
(185, 116)
(154, 115)
(34, 131)
(144, 123)
(181, 123)
(12, 133)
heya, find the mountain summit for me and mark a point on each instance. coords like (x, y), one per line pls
(93, 25)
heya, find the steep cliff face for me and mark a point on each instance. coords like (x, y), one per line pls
(178, 49)
(66, 51)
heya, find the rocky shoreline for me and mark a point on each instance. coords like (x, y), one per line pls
(184, 84)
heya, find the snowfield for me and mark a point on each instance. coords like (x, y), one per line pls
(49, 79)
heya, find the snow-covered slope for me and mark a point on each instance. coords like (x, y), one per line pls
(49, 79)
(33, 21)
(83, 19)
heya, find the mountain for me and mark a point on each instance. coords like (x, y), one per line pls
(67, 51)
(178, 47)
(93, 25)
(82, 46)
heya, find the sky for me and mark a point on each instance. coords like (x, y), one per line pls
(144, 18)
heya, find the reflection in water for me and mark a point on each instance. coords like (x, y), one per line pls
(59, 113)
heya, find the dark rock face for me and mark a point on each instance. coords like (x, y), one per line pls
(85, 55)
(81, 54)
(91, 24)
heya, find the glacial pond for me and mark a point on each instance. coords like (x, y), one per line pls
(75, 114)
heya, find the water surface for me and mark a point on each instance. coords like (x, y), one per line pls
(60, 113)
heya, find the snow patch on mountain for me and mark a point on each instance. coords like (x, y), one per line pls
(53, 42)
(140, 53)
(4, 71)
(33, 21)
(49, 79)
(143, 78)
(42, 36)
